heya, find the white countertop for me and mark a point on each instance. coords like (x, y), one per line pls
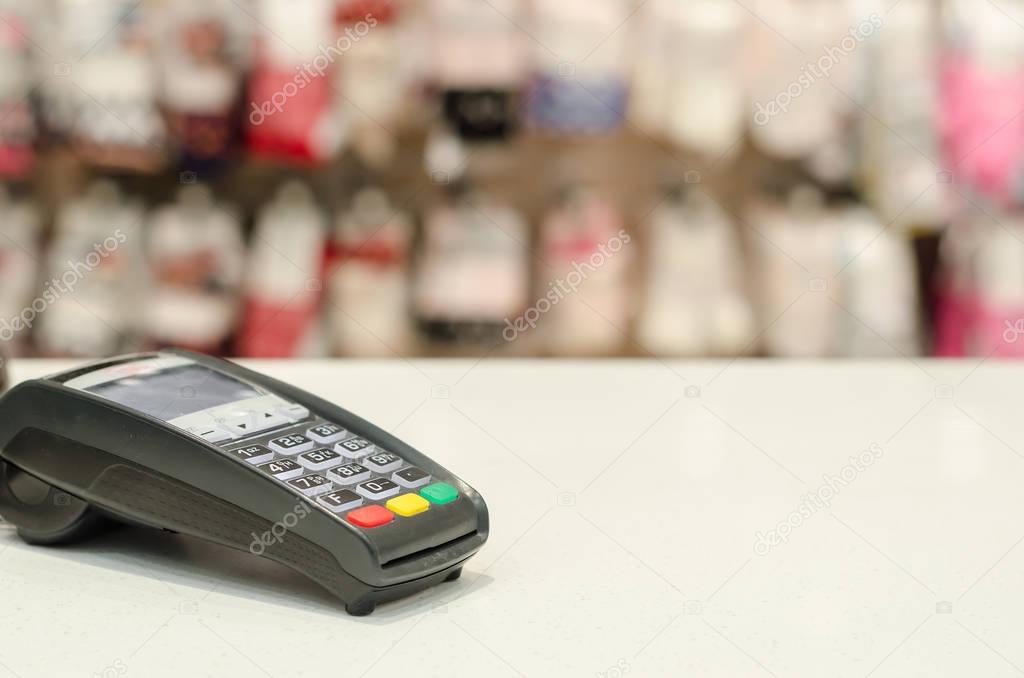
(626, 499)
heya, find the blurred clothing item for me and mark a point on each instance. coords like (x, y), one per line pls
(284, 278)
(585, 302)
(196, 255)
(695, 302)
(368, 276)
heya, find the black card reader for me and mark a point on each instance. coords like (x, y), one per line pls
(201, 446)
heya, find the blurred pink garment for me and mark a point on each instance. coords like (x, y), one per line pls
(969, 325)
(982, 124)
(286, 121)
(17, 127)
(953, 318)
(271, 329)
(998, 331)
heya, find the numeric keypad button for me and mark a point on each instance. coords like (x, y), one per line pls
(254, 454)
(340, 501)
(319, 460)
(282, 469)
(291, 444)
(377, 489)
(355, 448)
(312, 485)
(383, 462)
(349, 474)
(326, 434)
(411, 477)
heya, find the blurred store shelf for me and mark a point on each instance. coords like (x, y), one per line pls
(266, 178)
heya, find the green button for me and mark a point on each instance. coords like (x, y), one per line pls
(440, 493)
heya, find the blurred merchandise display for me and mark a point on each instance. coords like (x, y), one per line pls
(101, 93)
(982, 88)
(983, 309)
(376, 177)
(584, 274)
(292, 113)
(801, 95)
(901, 145)
(800, 246)
(283, 282)
(373, 83)
(20, 235)
(368, 279)
(580, 85)
(981, 300)
(201, 80)
(695, 302)
(956, 295)
(473, 269)
(1000, 292)
(877, 289)
(93, 288)
(17, 126)
(195, 254)
(688, 79)
(834, 281)
(480, 65)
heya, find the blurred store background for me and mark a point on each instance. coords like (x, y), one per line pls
(793, 178)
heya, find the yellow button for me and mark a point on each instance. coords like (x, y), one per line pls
(408, 505)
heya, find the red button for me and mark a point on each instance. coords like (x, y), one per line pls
(370, 516)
